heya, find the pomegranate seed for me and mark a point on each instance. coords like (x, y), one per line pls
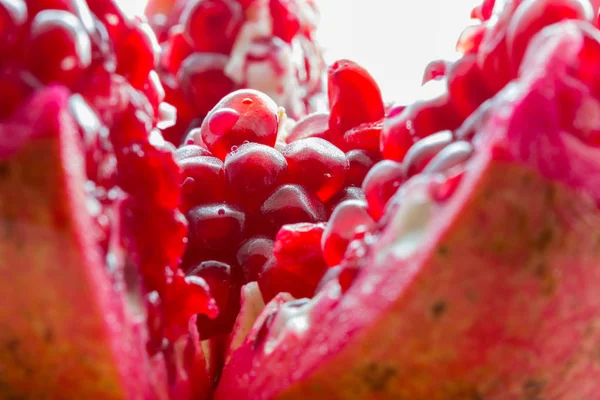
(348, 219)
(531, 16)
(452, 155)
(364, 137)
(360, 162)
(252, 256)
(299, 244)
(202, 181)
(112, 16)
(136, 54)
(424, 151)
(107, 94)
(254, 170)
(347, 193)
(176, 51)
(380, 184)
(354, 98)
(215, 230)
(59, 48)
(203, 81)
(467, 86)
(13, 16)
(316, 164)
(444, 186)
(244, 115)
(275, 279)
(212, 25)
(284, 14)
(290, 204)
(487, 7)
(34, 7)
(435, 70)
(190, 151)
(313, 125)
(15, 86)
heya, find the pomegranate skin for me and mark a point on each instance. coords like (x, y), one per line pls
(489, 294)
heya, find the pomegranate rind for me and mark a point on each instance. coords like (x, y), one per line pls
(490, 294)
(63, 329)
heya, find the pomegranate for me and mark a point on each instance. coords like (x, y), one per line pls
(213, 47)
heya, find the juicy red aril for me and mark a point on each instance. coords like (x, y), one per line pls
(435, 70)
(444, 186)
(364, 137)
(176, 50)
(344, 275)
(299, 244)
(212, 25)
(136, 54)
(252, 256)
(203, 181)
(451, 156)
(467, 85)
(131, 128)
(220, 280)
(313, 125)
(111, 15)
(284, 15)
(380, 184)
(531, 16)
(290, 204)
(36, 6)
(59, 48)
(348, 219)
(13, 15)
(275, 278)
(354, 98)
(203, 80)
(316, 164)
(252, 171)
(360, 162)
(216, 229)
(424, 150)
(107, 94)
(189, 151)
(15, 88)
(242, 116)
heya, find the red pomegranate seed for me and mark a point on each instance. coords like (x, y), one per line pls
(252, 171)
(313, 125)
(189, 151)
(360, 162)
(354, 98)
(299, 244)
(34, 7)
(15, 86)
(380, 184)
(275, 278)
(421, 153)
(242, 116)
(107, 93)
(284, 14)
(13, 16)
(203, 81)
(212, 25)
(417, 121)
(216, 229)
(111, 15)
(364, 137)
(348, 219)
(531, 16)
(59, 48)
(316, 164)
(202, 181)
(435, 70)
(136, 54)
(252, 256)
(154, 91)
(467, 85)
(454, 154)
(176, 50)
(290, 204)
(470, 39)
(220, 280)
(444, 186)
(487, 7)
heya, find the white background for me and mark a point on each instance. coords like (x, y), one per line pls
(393, 39)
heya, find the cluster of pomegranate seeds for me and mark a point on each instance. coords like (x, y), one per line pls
(211, 48)
(107, 60)
(257, 197)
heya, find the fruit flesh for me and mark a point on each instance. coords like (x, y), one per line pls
(496, 299)
(51, 340)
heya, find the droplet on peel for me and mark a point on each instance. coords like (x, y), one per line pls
(221, 121)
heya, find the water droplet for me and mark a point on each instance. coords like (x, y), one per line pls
(247, 101)
(327, 176)
(245, 142)
(234, 149)
(221, 211)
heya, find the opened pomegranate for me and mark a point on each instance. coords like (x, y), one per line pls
(213, 47)
(487, 236)
(91, 232)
